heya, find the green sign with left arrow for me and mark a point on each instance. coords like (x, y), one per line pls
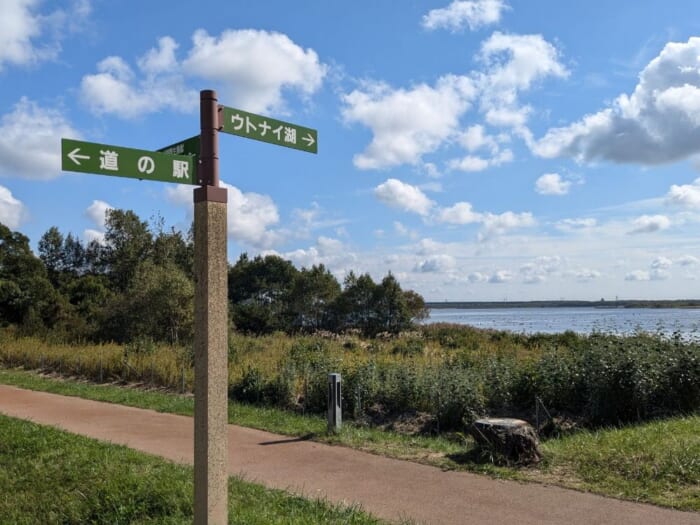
(103, 159)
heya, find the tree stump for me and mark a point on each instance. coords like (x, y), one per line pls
(513, 439)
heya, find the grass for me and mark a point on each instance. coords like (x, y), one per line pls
(48, 476)
(656, 462)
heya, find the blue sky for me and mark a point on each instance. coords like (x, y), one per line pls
(479, 150)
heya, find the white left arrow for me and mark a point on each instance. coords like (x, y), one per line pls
(73, 155)
(309, 140)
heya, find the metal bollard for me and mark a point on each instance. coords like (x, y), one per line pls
(334, 407)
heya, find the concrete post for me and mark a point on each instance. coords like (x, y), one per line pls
(335, 419)
(211, 330)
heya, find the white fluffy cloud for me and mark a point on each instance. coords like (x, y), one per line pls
(460, 213)
(492, 223)
(500, 276)
(31, 128)
(116, 90)
(96, 212)
(569, 225)
(19, 24)
(514, 63)
(688, 260)
(474, 163)
(436, 264)
(403, 196)
(465, 13)
(28, 36)
(552, 184)
(251, 216)
(12, 211)
(254, 67)
(407, 123)
(658, 123)
(662, 263)
(685, 195)
(498, 224)
(650, 224)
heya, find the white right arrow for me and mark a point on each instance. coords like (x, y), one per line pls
(308, 139)
(73, 155)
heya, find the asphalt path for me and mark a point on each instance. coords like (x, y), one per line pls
(391, 489)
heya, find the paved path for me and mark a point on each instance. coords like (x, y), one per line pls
(387, 488)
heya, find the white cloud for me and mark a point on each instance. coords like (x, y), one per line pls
(661, 263)
(514, 63)
(552, 184)
(18, 26)
(465, 13)
(473, 163)
(116, 90)
(97, 211)
(650, 224)
(658, 123)
(255, 67)
(436, 264)
(28, 36)
(688, 260)
(498, 224)
(638, 275)
(332, 253)
(569, 225)
(12, 211)
(251, 216)
(460, 213)
(403, 196)
(685, 195)
(475, 138)
(469, 163)
(30, 141)
(537, 271)
(477, 277)
(407, 123)
(500, 276)
(659, 274)
(91, 234)
(585, 275)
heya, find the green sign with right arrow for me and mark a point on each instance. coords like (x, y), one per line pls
(267, 129)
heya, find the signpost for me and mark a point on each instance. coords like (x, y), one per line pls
(266, 129)
(188, 146)
(196, 161)
(103, 159)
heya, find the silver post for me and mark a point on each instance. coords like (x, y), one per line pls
(335, 419)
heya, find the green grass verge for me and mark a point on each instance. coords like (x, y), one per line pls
(657, 462)
(48, 476)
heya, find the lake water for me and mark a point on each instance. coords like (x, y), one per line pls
(582, 320)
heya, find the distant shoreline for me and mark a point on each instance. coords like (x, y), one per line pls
(473, 305)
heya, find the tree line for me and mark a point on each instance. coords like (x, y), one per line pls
(138, 283)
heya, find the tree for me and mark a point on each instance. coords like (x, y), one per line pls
(259, 292)
(313, 295)
(128, 242)
(27, 297)
(355, 307)
(158, 305)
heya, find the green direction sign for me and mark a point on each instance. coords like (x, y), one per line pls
(277, 132)
(188, 146)
(103, 159)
